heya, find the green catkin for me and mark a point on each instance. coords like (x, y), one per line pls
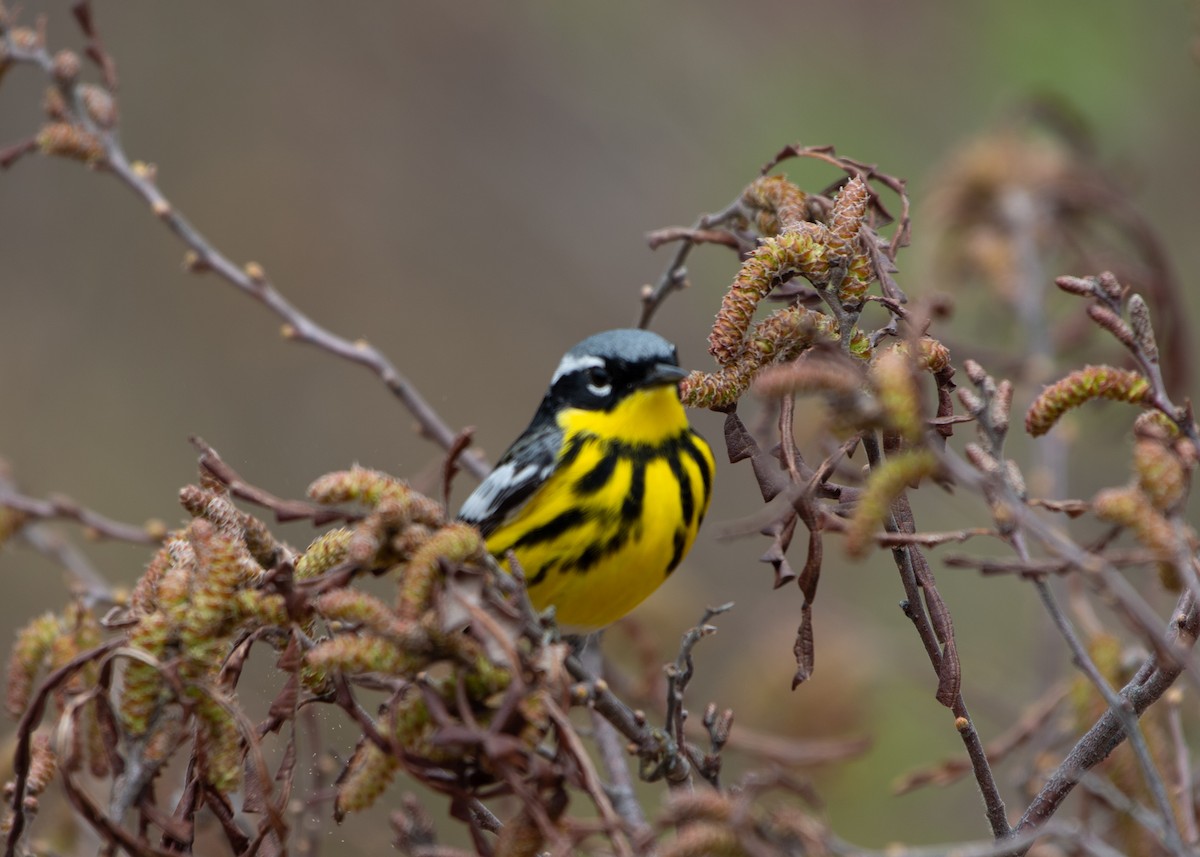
(144, 690)
(453, 543)
(1083, 385)
(326, 551)
(29, 655)
(886, 483)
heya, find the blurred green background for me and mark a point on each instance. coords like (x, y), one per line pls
(467, 185)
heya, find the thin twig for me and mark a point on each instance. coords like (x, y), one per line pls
(679, 675)
(659, 237)
(1120, 706)
(591, 780)
(1095, 568)
(891, 540)
(25, 728)
(249, 279)
(1151, 681)
(674, 277)
(89, 584)
(1043, 566)
(1070, 834)
(1185, 797)
(64, 508)
(211, 464)
(905, 561)
(655, 747)
(613, 755)
(953, 769)
(1103, 789)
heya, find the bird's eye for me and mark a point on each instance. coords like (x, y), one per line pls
(598, 381)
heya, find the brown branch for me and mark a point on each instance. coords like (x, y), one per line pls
(591, 780)
(659, 237)
(991, 407)
(937, 636)
(1152, 680)
(82, 12)
(92, 587)
(952, 770)
(892, 540)
(679, 675)
(64, 508)
(660, 756)
(22, 755)
(792, 752)
(109, 830)
(204, 257)
(674, 277)
(1095, 568)
(1119, 706)
(612, 751)
(1070, 508)
(211, 463)
(9, 155)
(1185, 781)
(1043, 566)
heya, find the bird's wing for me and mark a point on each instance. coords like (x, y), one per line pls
(517, 475)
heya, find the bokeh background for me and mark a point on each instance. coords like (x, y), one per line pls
(467, 185)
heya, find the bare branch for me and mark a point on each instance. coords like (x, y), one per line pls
(204, 257)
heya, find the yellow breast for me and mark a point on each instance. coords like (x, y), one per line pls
(618, 513)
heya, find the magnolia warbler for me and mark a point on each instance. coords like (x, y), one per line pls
(601, 497)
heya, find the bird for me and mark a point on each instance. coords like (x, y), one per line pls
(601, 497)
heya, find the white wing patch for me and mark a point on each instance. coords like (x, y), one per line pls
(500, 483)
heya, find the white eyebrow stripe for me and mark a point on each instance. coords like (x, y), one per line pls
(573, 363)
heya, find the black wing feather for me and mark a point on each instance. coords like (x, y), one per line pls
(518, 474)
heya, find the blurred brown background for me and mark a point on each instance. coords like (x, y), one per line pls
(467, 185)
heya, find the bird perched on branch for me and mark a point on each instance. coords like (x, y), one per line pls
(601, 497)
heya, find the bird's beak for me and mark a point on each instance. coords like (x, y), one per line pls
(663, 374)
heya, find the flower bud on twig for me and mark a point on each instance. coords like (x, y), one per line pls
(1085, 287)
(1112, 322)
(70, 141)
(66, 67)
(1143, 330)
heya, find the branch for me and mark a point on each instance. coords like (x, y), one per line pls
(25, 728)
(211, 464)
(203, 256)
(951, 770)
(612, 750)
(1120, 707)
(679, 676)
(918, 585)
(64, 508)
(674, 277)
(930, 540)
(1152, 680)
